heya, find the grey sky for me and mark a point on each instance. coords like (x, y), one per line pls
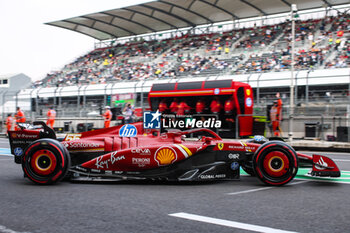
(30, 47)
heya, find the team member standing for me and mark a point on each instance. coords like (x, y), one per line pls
(215, 106)
(107, 115)
(276, 115)
(279, 103)
(51, 116)
(183, 108)
(128, 114)
(162, 107)
(174, 106)
(20, 117)
(229, 111)
(200, 106)
(9, 122)
(229, 106)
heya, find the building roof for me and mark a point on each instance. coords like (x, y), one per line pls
(162, 15)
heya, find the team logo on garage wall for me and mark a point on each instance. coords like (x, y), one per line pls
(165, 156)
(220, 146)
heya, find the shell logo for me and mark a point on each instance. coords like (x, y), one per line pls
(14, 135)
(248, 92)
(165, 156)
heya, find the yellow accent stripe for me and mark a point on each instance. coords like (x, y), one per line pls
(186, 149)
(227, 90)
(94, 149)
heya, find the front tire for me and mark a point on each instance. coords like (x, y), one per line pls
(45, 161)
(275, 163)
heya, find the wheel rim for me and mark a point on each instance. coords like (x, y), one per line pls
(43, 162)
(276, 164)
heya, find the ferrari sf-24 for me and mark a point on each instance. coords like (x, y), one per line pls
(129, 152)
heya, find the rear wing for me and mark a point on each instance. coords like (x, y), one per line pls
(28, 133)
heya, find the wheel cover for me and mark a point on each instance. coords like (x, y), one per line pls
(43, 162)
(276, 164)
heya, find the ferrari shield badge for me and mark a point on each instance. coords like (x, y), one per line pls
(221, 146)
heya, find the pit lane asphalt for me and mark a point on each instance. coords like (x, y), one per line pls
(302, 206)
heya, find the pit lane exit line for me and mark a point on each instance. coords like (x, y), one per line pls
(4, 229)
(227, 223)
(262, 189)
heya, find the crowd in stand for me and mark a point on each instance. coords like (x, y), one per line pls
(198, 64)
(260, 37)
(197, 54)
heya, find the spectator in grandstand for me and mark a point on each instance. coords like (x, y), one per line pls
(200, 106)
(9, 122)
(215, 106)
(162, 107)
(128, 114)
(337, 43)
(107, 115)
(174, 106)
(20, 117)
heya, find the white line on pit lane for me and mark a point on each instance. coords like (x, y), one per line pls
(262, 189)
(4, 229)
(6, 155)
(228, 223)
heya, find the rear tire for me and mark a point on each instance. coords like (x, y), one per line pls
(45, 161)
(275, 163)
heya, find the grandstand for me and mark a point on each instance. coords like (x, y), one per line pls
(168, 40)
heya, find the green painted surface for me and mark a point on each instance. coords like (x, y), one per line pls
(302, 174)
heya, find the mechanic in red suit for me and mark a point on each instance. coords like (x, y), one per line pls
(51, 116)
(20, 117)
(107, 116)
(229, 105)
(276, 115)
(200, 106)
(215, 106)
(228, 108)
(174, 106)
(183, 108)
(9, 122)
(162, 107)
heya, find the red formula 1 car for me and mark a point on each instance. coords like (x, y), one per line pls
(127, 152)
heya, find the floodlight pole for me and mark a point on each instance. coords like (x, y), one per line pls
(291, 105)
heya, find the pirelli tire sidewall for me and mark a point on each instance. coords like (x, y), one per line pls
(45, 161)
(275, 163)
